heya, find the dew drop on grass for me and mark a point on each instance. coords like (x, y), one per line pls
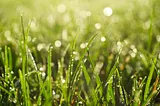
(119, 45)
(12, 72)
(53, 92)
(14, 100)
(43, 75)
(35, 97)
(107, 11)
(80, 103)
(41, 69)
(63, 81)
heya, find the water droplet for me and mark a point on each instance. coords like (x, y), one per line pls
(80, 103)
(63, 81)
(43, 75)
(53, 92)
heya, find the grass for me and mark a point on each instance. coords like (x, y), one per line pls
(73, 59)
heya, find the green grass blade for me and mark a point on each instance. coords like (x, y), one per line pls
(49, 78)
(86, 74)
(5, 90)
(25, 90)
(147, 87)
(6, 65)
(113, 70)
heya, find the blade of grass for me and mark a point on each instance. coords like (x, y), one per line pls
(6, 65)
(86, 75)
(113, 70)
(25, 91)
(49, 78)
(5, 90)
(147, 87)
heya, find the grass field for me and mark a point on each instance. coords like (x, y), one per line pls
(79, 53)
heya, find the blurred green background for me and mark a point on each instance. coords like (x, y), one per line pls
(127, 23)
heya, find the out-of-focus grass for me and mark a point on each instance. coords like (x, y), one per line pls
(118, 66)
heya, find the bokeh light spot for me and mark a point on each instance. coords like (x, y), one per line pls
(103, 39)
(61, 8)
(97, 26)
(83, 45)
(107, 11)
(158, 38)
(58, 43)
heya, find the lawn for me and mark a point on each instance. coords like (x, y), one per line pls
(79, 53)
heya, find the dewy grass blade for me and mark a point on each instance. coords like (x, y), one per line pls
(10, 59)
(86, 75)
(147, 87)
(49, 77)
(152, 94)
(24, 84)
(113, 70)
(6, 65)
(99, 87)
(5, 90)
(81, 58)
(23, 87)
